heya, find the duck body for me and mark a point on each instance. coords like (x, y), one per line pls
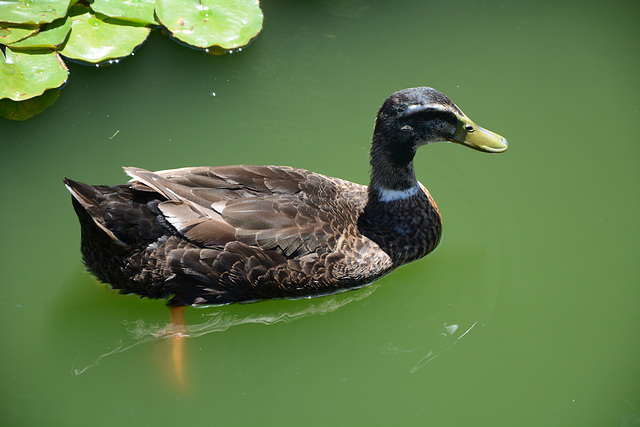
(278, 232)
(217, 235)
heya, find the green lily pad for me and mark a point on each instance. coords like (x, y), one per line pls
(33, 11)
(10, 33)
(25, 75)
(204, 23)
(22, 110)
(12, 80)
(142, 11)
(95, 40)
(50, 36)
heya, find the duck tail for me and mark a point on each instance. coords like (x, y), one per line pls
(86, 201)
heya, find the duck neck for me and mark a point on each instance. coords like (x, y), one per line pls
(399, 216)
(392, 174)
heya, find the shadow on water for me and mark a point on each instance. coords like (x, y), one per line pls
(102, 324)
(221, 318)
(148, 329)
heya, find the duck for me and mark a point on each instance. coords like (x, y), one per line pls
(231, 234)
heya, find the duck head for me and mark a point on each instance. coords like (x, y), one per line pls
(414, 117)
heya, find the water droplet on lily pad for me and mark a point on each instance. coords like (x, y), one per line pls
(11, 33)
(9, 70)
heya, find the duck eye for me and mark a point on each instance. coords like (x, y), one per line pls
(468, 128)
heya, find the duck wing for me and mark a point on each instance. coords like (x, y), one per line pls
(291, 211)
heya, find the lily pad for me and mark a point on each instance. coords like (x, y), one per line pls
(142, 11)
(22, 110)
(33, 11)
(10, 33)
(94, 39)
(50, 36)
(204, 23)
(12, 80)
(25, 75)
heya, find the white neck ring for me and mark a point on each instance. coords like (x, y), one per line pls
(386, 195)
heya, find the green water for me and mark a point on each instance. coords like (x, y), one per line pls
(527, 314)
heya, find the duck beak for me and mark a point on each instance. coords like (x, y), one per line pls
(472, 135)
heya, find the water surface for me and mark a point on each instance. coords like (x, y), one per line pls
(527, 314)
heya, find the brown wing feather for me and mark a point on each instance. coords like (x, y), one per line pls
(273, 208)
(238, 272)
